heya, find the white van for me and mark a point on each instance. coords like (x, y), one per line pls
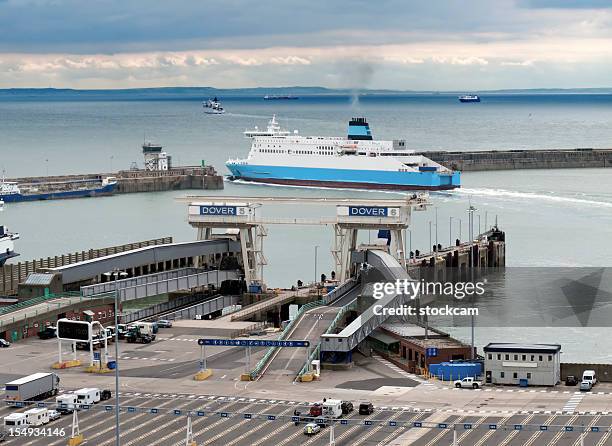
(88, 395)
(37, 416)
(15, 420)
(66, 403)
(589, 375)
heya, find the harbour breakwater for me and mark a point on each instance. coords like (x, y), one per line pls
(522, 159)
(139, 180)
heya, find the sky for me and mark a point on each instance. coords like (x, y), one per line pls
(384, 44)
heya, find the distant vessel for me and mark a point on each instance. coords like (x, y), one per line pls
(7, 247)
(11, 191)
(356, 161)
(213, 107)
(273, 129)
(275, 97)
(469, 98)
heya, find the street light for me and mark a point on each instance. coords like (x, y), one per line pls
(410, 244)
(471, 211)
(109, 275)
(316, 248)
(450, 232)
(436, 228)
(429, 234)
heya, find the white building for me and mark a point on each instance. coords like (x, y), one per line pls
(538, 364)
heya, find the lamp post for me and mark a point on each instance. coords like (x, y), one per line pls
(436, 228)
(316, 249)
(409, 244)
(116, 274)
(429, 234)
(471, 211)
(450, 231)
(460, 229)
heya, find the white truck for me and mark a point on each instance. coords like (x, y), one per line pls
(468, 383)
(37, 416)
(66, 403)
(15, 421)
(88, 395)
(32, 387)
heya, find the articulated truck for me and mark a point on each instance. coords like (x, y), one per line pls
(32, 387)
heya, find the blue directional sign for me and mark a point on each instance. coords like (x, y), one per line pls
(42, 404)
(518, 427)
(392, 423)
(343, 421)
(543, 428)
(217, 210)
(271, 417)
(594, 429)
(201, 413)
(492, 426)
(417, 424)
(569, 428)
(467, 426)
(131, 409)
(431, 352)
(96, 356)
(177, 411)
(442, 425)
(295, 419)
(367, 422)
(224, 414)
(88, 406)
(248, 416)
(154, 411)
(253, 343)
(107, 408)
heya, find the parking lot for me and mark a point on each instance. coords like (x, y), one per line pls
(233, 421)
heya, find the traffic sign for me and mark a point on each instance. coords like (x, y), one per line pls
(543, 428)
(253, 343)
(73, 330)
(417, 424)
(431, 352)
(96, 356)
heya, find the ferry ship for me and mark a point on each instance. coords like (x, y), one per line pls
(213, 107)
(7, 247)
(469, 98)
(357, 161)
(12, 191)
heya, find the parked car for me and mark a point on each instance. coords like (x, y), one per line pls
(106, 395)
(312, 429)
(586, 386)
(468, 383)
(4, 343)
(54, 415)
(164, 323)
(47, 333)
(571, 380)
(347, 407)
(366, 408)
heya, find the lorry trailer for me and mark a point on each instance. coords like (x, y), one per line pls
(32, 387)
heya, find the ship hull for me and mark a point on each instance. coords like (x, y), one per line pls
(469, 100)
(108, 189)
(345, 178)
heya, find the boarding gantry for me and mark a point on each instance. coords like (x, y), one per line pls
(241, 219)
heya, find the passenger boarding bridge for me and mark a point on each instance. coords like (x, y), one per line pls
(244, 215)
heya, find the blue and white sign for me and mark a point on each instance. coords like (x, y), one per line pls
(218, 210)
(252, 343)
(96, 356)
(431, 352)
(367, 211)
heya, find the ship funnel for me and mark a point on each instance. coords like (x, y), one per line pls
(359, 129)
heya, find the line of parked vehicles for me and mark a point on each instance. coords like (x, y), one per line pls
(39, 386)
(323, 413)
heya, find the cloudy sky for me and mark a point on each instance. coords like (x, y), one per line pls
(396, 44)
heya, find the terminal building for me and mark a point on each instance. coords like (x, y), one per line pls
(523, 364)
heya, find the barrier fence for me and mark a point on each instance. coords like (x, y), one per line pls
(368, 422)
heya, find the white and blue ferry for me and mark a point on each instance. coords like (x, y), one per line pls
(7, 247)
(12, 191)
(357, 161)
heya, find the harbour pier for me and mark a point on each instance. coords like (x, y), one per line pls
(473, 161)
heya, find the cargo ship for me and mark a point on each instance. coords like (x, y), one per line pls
(275, 97)
(7, 247)
(12, 191)
(356, 161)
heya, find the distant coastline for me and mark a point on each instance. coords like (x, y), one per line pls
(188, 93)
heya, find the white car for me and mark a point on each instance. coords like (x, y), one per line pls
(312, 429)
(468, 383)
(54, 415)
(586, 385)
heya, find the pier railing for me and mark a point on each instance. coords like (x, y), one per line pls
(14, 273)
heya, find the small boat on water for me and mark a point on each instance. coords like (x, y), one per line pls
(274, 97)
(12, 191)
(469, 98)
(213, 107)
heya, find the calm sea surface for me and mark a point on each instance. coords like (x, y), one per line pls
(551, 217)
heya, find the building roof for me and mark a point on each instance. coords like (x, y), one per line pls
(39, 279)
(384, 338)
(527, 348)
